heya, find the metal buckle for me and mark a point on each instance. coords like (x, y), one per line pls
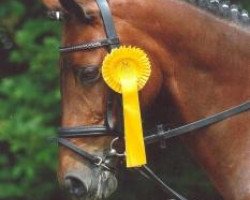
(113, 151)
(99, 162)
(160, 132)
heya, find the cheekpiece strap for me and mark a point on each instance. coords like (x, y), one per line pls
(108, 21)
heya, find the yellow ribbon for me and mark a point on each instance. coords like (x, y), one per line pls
(126, 70)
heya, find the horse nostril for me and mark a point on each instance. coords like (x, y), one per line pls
(75, 186)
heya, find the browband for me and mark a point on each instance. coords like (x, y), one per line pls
(110, 42)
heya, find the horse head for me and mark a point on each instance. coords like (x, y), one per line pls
(85, 95)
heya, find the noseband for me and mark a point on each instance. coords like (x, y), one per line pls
(158, 134)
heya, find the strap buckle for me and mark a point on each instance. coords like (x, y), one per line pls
(113, 151)
(100, 163)
(160, 132)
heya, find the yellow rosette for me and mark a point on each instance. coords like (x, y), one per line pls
(126, 71)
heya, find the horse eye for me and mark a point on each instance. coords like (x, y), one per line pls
(88, 75)
(56, 15)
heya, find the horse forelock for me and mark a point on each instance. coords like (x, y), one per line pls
(224, 9)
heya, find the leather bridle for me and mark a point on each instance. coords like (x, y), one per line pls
(109, 127)
(158, 134)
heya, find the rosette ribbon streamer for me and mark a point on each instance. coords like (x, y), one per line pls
(126, 71)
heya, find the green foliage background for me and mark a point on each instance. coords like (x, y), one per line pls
(30, 107)
(29, 103)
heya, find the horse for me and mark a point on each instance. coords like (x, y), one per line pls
(199, 60)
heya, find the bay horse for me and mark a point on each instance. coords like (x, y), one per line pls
(201, 61)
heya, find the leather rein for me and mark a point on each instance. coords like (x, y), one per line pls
(159, 134)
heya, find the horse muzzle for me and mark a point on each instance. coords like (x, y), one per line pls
(92, 184)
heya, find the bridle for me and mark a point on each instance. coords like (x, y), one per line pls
(109, 127)
(158, 134)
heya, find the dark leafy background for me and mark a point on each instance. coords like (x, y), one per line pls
(30, 107)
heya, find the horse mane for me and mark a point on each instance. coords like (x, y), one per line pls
(224, 9)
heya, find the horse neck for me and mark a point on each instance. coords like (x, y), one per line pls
(205, 59)
(205, 66)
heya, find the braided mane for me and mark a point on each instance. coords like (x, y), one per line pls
(224, 9)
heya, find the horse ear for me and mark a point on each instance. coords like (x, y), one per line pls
(52, 4)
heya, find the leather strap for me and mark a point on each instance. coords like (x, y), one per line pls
(146, 172)
(108, 21)
(81, 131)
(91, 158)
(196, 125)
(109, 121)
(111, 41)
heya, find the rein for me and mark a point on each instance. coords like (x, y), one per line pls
(163, 132)
(110, 128)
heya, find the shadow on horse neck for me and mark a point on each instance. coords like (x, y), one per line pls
(201, 62)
